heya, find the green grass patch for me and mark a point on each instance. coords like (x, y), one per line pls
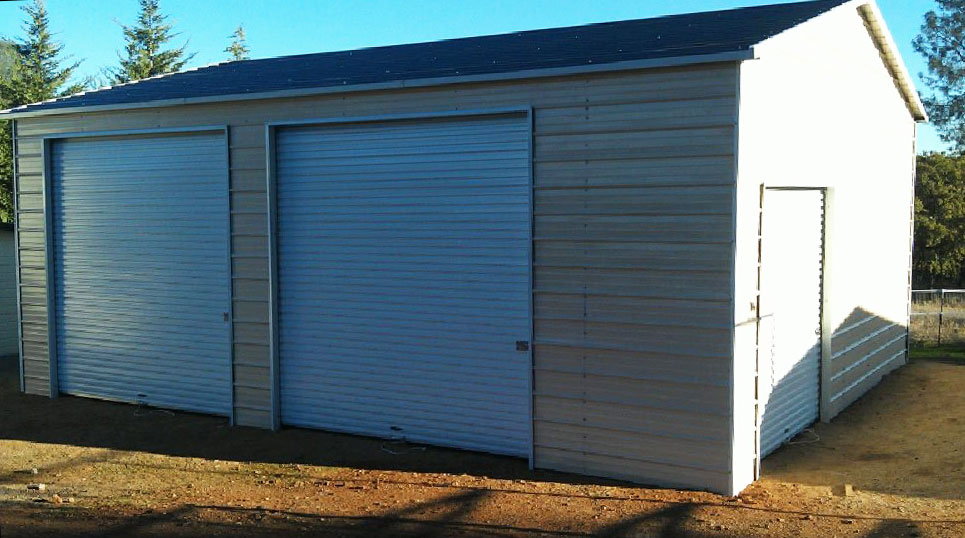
(951, 352)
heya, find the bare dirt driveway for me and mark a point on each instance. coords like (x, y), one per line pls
(117, 470)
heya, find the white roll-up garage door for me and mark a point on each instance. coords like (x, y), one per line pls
(404, 280)
(142, 290)
(792, 253)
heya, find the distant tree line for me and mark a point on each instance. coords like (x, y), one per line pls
(35, 67)
(939, 251)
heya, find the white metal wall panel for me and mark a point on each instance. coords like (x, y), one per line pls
(404, 280)
(141, 269)
(792, 256)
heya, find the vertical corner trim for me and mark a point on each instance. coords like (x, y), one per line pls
(273, 365)
(824, 405)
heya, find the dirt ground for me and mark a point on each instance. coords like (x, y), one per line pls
(119, 470)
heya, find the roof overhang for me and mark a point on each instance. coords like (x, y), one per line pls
(676, 61)
(889, 53)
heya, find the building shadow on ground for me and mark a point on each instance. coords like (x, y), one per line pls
(98, 424)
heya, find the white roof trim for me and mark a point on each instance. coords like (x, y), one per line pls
(889, 52)
(676, 61)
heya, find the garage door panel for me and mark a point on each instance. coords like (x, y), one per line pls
(141, 269)
(404, 253)
(791, 291)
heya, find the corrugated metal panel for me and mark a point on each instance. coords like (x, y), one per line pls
(8, 295)
(864, 349)
(697, 299)
(792, 250)
(404, 281)
(140, 268)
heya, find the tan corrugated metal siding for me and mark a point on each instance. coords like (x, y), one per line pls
(33, 275)
(634, 183)
(9, 344)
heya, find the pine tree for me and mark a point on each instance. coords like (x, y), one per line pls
(31, 70)
(144, 51)
(8, 69)
(941, 43)
(238, 49)
(38, 73)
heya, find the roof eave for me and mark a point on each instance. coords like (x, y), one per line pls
(675, 61)
(889, 51)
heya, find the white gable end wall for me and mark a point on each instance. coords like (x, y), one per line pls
(819, 108)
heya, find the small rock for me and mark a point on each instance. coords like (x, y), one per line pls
(847, 521)
(37, 487)
(807, 517)
(848, 490)
(71, 500)
(34, 470)
(56, 499)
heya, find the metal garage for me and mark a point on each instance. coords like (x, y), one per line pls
(140, 264)
(410, 240)
(637, 250)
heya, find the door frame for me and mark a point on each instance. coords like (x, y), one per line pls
(271, 128)
(46, 147)
(824, 379)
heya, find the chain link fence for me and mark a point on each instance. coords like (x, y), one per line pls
(937, 317)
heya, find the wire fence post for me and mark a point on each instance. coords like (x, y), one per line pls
(937, 317)
(941, 314)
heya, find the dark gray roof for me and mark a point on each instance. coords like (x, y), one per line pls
(673, 36)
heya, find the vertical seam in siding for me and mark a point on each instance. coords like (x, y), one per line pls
(48, 268)
(532, 336)
(229, 308)
(16, 251)
(273, 364)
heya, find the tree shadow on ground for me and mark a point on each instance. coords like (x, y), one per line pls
(452, 514)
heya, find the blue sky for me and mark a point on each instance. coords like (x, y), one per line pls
(91, 32)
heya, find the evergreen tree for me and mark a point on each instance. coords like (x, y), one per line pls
(38, 73)
(31, 70)
(8, 67)
(238, 49)
(942, 44)
(144, 52)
